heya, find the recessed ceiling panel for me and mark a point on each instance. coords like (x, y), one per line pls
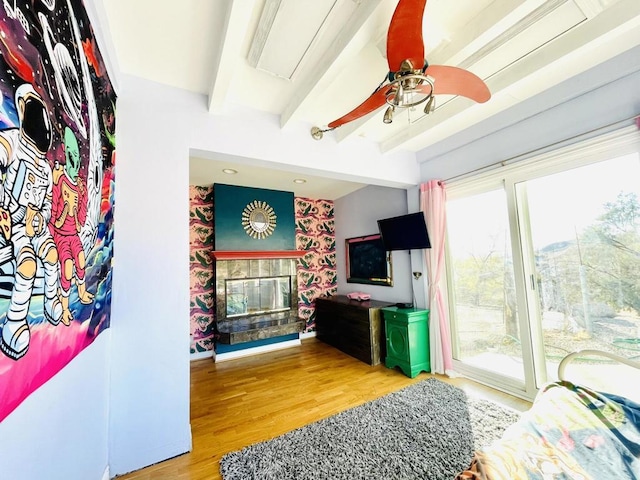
(543, 25)
(286, 30)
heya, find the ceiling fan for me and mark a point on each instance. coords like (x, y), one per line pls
(411, 81)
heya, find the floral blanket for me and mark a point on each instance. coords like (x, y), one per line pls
(570, 432)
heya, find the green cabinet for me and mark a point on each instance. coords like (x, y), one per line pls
(407, 339)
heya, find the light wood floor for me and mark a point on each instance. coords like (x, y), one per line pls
(240, 402)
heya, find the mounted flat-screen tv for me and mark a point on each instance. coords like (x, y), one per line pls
(406, 232)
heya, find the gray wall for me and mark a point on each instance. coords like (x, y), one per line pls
(356, 215)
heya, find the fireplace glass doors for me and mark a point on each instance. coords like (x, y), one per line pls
(252, 296)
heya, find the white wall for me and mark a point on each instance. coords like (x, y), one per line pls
(150, 328)
(418, 261)
(60, 431)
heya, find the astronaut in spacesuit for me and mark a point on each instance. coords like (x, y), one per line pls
(26, 193)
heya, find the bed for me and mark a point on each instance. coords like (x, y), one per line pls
(570, 432)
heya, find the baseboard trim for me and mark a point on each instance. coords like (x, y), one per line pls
(145, 458)
(201, 355)
(222, 357)
(304, 336)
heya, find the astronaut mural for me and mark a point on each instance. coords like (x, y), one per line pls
(57, 159)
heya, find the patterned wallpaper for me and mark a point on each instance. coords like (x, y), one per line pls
(201, 267)
(315, 233)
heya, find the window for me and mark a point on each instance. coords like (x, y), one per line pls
(543, 260)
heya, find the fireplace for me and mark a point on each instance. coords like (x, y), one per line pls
(256, 295)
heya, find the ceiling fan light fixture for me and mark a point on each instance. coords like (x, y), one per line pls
(398, 99)
(410, 86)
(412, 82)
(430, 107)
(388, 114)
(409, 90)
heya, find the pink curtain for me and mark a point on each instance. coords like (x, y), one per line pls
(432, 203)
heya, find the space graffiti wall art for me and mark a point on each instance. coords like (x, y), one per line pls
(57, 159)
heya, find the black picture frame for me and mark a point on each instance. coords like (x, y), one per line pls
(367, 261)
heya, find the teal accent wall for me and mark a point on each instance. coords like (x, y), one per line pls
(229, 203)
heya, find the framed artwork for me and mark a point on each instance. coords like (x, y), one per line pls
(367, 261)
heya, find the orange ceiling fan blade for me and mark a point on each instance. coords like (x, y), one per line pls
(407, 65)
(457, 81)
(374, 102)
(404, 38)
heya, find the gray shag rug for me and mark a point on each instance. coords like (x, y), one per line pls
(428, 430)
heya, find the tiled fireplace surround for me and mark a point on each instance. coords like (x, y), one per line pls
(258, 327)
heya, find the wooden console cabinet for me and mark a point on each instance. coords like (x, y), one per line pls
(354, 327)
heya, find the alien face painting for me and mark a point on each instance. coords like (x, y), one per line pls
(57, 156)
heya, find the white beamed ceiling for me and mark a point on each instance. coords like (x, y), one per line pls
(333, 56)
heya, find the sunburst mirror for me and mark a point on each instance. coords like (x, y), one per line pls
(258, 219)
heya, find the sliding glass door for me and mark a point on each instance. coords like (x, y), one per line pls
(542, 262)
(482, 286)
(584, 229)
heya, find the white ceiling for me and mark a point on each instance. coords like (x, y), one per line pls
(519, 47)
(206, 171)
